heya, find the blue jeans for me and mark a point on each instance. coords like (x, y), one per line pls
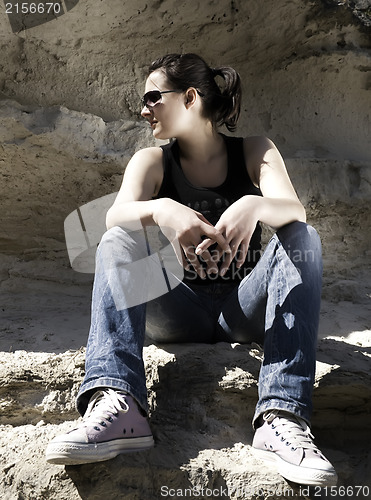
(277, 305)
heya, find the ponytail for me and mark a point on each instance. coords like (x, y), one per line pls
(221, 103)
(228, 112)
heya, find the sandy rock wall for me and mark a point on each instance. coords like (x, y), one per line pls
(53, 161)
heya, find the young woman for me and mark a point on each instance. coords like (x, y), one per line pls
(208, 193)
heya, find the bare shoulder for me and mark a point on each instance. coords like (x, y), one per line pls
(145, 167)
(258, 145)
(259, 151)
(143, 175)
(147, 157)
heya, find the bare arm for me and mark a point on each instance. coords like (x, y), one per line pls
(134, 206)
(279, 204)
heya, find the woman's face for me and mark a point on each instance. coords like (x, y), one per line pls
(166, 117)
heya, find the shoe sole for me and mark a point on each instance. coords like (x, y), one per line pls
(295, 473)
(66, 453)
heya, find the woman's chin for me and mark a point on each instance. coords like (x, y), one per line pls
(161, 136)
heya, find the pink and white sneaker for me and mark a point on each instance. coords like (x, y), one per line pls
(112, 424)
(286, 441)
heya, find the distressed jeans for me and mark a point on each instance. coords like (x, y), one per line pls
(277, 304)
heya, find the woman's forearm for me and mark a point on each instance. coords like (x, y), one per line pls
(277, 212)
(132, 214)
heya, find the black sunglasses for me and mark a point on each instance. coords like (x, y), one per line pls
(154, 97)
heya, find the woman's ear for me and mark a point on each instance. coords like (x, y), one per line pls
(190, 97)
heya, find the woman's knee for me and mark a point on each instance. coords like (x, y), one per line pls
(299, 235)
(114, 234)
(302, 244)
(118, 243)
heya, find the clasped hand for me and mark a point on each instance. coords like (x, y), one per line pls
(192, 235)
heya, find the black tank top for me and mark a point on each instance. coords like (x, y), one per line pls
(212, 202)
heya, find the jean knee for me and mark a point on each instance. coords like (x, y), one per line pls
(113, 234)
(299, 235)
(119, 245)
(311, 235)
(118, 236)
(302, 244)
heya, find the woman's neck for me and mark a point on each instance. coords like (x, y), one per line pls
(203, 158)
(201, 145)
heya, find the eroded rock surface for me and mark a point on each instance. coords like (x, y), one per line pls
(202, 428)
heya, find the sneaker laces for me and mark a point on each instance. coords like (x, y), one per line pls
(294, 429)
(102, 406)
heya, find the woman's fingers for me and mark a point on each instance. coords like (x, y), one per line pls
(179, 254)
(221, 261)
(192, 259)
(228, 258)
(242, 253)
(204, 245)
(211, 235)
(201, 257)
(211, 258)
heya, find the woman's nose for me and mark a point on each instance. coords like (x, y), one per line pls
(145, 112)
